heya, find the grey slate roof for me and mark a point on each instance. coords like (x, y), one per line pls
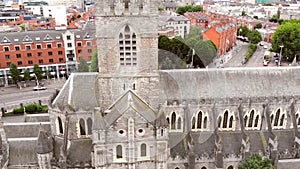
(230, 82)
(80, 92)
(45, 35)
(128, 100)
(44, 143)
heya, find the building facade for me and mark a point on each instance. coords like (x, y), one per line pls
(57, 52)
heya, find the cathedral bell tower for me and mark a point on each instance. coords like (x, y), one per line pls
(127, 40)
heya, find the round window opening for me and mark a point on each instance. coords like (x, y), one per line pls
(121, 132)
(140, 132)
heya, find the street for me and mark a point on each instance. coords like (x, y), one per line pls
(12, 97)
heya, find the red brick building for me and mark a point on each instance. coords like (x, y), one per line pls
(55, 51)
(221, 29)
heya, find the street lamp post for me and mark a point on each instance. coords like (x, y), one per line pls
(280, 55)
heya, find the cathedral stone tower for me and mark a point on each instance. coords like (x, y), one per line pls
(127, 49)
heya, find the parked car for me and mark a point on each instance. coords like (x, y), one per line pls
(265, 47)
(36, 88)
(265, 63)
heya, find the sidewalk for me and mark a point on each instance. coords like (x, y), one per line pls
(50, 84)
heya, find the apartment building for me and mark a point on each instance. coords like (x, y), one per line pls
(179, 23)
(220, 29)
(55, 51)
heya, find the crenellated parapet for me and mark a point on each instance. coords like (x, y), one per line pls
(127, 8)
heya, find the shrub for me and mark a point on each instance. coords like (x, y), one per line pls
(19, 110)
(31, 108)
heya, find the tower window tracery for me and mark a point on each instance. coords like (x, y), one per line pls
(127, 47)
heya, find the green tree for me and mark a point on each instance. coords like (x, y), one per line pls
(258, 26)
(15, 73)
(255, 17)
(38, 72)
(243, 31)
(287, 35)
(83, 66)
(256, 161)
(26, 76)
(23, 27)
(254, 36)
(94, 62)
(189, 8)
(244, 13)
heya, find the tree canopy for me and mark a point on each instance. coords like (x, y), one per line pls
(26, 76)
(287, 35)
(258, 26)
(256, 161)
(186, 51)
(14, 73)
(254, 36)
(94, 62)
(38, 72)
(189, 8)
(83, 66)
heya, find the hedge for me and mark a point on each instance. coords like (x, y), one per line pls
(251, 49)
(30, 109)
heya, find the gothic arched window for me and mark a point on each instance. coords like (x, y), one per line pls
(256, 121)
(230, 122)
(199, 121)
(60, 126)
(82, 127)
(245, 120)
(89, 126)
(173, 120)
(119, 151)
(127, 47)
(205, 122)
(193, 123)
(225, 119)
(251, 118)
(281, 120)
(277, 117)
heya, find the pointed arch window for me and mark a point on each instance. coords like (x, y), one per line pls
(82, 127)
(173, 120)
(119, 152)
(245, 120)
(60, 126)
(127, 47)
(199, 121)
(281, 120)
(251, 118)
(143, 150)
(205, 123)
(230, 122)
(89, 126)
(277, 117)
(256, 121)
(225, 119)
